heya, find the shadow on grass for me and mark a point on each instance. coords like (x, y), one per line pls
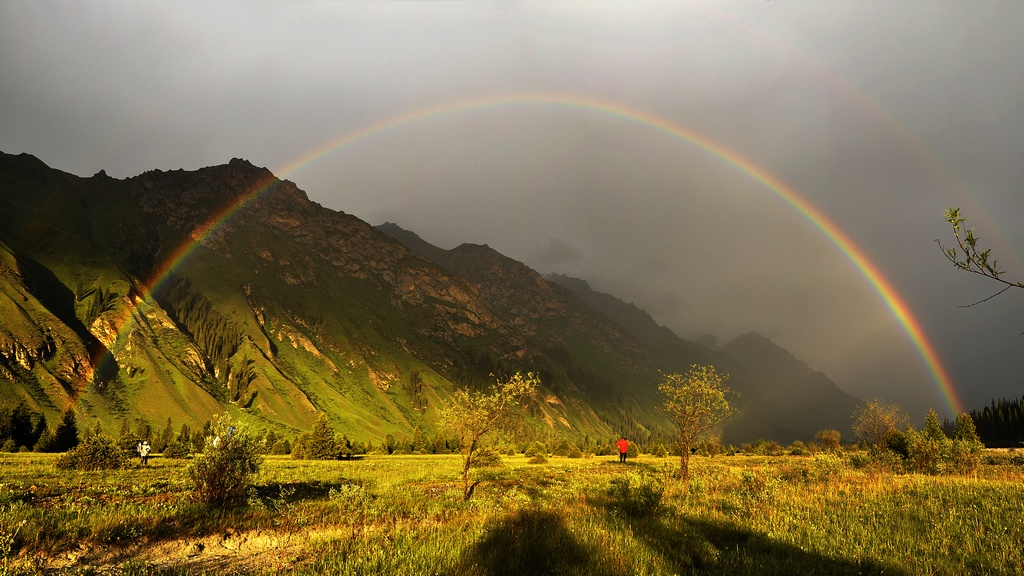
(290, 492)
(532, 542)
(694, 546)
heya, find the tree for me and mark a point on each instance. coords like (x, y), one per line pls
(873, 421)
(165, 437)
(830, 440)
(65, 437)
(968, 257)
(967, 448)
(696, 402)
(929, 449)
(474, 416)
(321, 444)
(221, 475)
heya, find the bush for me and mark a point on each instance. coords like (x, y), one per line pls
(829, 439)
(97, 452)
(798, 448)
(281, 447)
(486, 458)
(177, 449)
(536, 449)
(562, 449)
(827, 466)
(222, 473)
(636, 494)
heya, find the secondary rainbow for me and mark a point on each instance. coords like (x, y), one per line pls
(889, 296)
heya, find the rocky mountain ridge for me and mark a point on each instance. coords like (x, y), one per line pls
(179, 294)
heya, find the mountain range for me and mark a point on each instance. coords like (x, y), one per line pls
(180, 294)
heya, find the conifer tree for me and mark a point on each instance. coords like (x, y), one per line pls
(65, 437)
(321, 444)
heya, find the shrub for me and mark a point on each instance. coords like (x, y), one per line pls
(636, 494)
(486, 458)
(660, 451)
(221, 474)
(896, 442)
(829, 439)
(827, 466)
(574, 452)
(536, 449)
(965, 456)
(97, 452)
(281, 447)
(562, 449)
(177, 449)
(798, 448)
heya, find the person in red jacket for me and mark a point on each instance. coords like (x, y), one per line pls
(623, 446)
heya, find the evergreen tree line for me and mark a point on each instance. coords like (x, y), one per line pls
(23, 430)
(217, 336)
(1000, 424)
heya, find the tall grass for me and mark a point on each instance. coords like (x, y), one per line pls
(406, 515)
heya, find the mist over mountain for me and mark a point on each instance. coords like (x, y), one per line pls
(180, 294)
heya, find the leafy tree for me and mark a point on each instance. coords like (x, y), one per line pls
(929, 450)
(968, 257)
(221, 474)
(828, 440)
(474, 416)
(390, 444)
(281, 447)
(873, 422)
(269, 439)
(967, 448)
(696, 402)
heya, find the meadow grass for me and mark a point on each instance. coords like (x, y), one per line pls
(406, 515)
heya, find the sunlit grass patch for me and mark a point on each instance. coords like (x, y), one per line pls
(406, 514)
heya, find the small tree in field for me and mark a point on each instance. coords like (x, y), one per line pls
(829, 440)
(220, 476)
(696, 402)
(474, 416)
(875, 420)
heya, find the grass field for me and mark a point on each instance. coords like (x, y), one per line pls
(591, 516)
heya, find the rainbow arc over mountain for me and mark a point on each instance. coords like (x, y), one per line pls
(843, 243)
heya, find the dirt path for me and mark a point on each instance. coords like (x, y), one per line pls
(228, 553)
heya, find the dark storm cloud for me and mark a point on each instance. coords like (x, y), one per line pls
(881, 116)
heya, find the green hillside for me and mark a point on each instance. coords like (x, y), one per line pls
(118, 299)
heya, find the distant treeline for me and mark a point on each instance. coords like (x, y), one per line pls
(1001, 423)
(23, 429)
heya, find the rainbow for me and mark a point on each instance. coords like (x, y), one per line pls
(874, 276)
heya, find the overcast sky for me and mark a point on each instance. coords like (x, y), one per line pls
(880, 114)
